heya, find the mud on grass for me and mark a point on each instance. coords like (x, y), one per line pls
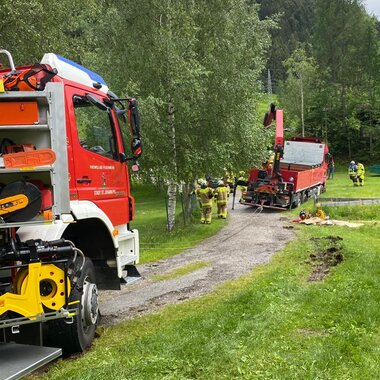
(328, 252)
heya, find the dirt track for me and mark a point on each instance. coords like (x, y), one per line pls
(247, 240)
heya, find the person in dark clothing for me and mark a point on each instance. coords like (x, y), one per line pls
(330, 166)
(352, 172)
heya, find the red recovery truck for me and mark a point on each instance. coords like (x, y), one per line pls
(65, 207)
(298, 171)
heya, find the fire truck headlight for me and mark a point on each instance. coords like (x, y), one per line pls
(291, 179)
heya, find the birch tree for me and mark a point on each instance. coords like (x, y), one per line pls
(196, 68)
(169, 83)
(296, 93)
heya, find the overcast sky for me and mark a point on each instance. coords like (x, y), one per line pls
(373, 7)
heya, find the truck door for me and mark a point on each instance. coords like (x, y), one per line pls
(99, 175)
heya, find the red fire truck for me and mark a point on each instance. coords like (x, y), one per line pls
(298, 171)
(65, 207)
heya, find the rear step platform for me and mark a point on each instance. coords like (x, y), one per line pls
(17, 360)
(130, 275)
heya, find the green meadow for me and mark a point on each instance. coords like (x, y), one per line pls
(311, 313)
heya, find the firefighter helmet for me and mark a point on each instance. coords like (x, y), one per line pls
(303, 215)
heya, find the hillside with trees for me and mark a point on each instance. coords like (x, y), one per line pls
(295, 25)
(199, 69)
(334, 73)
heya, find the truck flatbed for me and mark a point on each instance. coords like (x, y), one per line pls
(17, 360)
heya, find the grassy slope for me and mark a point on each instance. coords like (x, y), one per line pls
(156, 243)
(342, 187)
(273, 324)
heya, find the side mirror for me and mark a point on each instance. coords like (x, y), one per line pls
(121, 112)
(122, 157)
(96, 102)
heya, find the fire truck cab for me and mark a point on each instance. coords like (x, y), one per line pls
(65, 204)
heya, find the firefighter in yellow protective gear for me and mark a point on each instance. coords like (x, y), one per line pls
(221, 196)
(320, 213)
(196, 187)
(242, 177)
(242, 188)
(269, 163)
(228, 181)
(360, 173)
(205, 194)
(353, 172)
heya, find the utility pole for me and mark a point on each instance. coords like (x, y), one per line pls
(269, 87)
(302, 114)
(325, 109)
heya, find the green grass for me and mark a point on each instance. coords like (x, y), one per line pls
(342, 187)
(369, 213)
(156, 242)
(181, 271)
(272, 324)
(358, 213)
(264, 105)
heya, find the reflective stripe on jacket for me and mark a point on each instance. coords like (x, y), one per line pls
(352, 169)
(221, 193)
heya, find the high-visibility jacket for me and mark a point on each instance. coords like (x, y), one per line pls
(360, 172)
(320, 213)
(242, 187)
(205, 196)
(221, 194)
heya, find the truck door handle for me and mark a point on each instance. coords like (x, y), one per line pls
(84, 180)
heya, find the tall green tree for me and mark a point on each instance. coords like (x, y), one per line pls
(296, 93)
(195, 67)
(31, 28)
(232, 47)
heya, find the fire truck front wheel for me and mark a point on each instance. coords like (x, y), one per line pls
(75, 336)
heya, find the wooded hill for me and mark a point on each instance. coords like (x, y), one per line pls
(199, 69)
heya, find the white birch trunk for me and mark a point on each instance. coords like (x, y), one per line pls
(172, 201)
(172, 188)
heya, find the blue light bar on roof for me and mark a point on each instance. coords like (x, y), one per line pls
(70, 70)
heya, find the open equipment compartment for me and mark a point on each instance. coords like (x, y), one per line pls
(47, 110)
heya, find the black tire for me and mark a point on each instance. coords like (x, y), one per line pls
(77, 336)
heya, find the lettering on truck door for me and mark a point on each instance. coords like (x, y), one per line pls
(99, 175)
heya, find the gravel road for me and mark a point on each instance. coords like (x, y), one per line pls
(248, 239)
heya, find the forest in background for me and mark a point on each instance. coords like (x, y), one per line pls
(199, 70)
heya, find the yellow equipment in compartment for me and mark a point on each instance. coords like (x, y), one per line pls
(13, 203)
(38, 287)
